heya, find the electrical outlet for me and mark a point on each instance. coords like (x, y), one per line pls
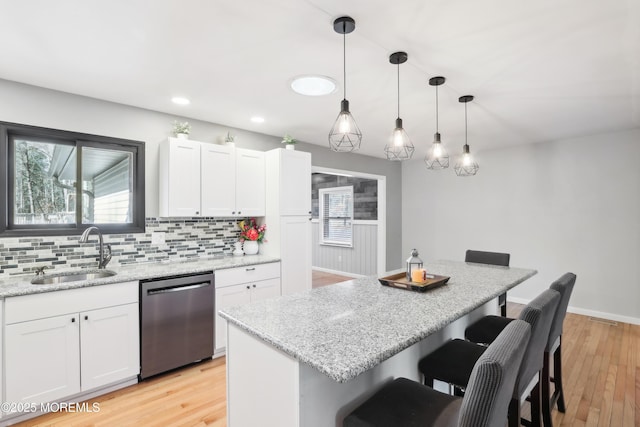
(158, 238)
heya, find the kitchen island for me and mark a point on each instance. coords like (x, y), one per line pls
(310, 358)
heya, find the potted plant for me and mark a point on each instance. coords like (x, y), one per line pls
(290, 143)
(181, 129)
(230, 139)
(251, 234)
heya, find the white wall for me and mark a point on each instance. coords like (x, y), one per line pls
(571, 205)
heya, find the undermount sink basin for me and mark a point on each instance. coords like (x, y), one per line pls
(74, 276)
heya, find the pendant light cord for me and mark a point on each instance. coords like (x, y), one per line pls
(344, 60)
(436, 109)
(466, 126)
(398, 89)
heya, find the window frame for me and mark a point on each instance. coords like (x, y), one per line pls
(321, 215)
(78, 140)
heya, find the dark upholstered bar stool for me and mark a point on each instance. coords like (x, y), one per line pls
(404, 403)
(451, 363)
(486, 329)
(491, 258)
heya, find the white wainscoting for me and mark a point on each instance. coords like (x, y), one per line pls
(360, 259)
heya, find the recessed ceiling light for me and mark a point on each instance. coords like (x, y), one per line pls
(311, 85)
(256, 119)
(180, 100)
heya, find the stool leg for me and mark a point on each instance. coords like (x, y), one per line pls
(557, 375)
(502, 302)
(546, 393)
(428, 381)
(514, 413)
(535, 404)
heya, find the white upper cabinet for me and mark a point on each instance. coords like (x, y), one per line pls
(295, 183)
(218, 180)
(250, 188)
(201, 179)
(179, 178)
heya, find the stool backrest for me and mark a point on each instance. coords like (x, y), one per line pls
(493, 258)
(539, 314)
(487, 397)
(564, 285)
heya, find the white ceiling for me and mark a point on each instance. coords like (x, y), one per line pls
(540, 70)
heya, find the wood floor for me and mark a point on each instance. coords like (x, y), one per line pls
(320, 278)
(601, 362)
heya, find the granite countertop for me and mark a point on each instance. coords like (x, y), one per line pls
(345, 329)
(21, 285)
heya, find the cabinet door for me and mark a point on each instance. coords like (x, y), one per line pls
(228, 297)
(110, 345)
(42, 359)
(250, 187)
(265, 289)
(295, 254)
(184, 178)
(295, 183)
(218, 185)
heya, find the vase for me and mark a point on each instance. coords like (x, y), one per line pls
(290, 147)
(250, 247)
(182, 135)
(237, 251)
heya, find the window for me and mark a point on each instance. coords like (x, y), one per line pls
(336, 216)
(56, 182)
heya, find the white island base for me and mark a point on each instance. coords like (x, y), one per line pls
(267, 387)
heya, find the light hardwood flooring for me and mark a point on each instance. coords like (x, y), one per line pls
(321, 278)
(601, 362)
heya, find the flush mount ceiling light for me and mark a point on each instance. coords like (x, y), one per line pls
(437, 157)
(400, 148)
(313, 85)
(466, 166)
(345, 136)
(180, 100)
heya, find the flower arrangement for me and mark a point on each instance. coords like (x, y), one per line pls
(288, 139)
(181, 127)
(250, 230)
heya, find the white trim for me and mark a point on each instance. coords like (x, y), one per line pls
(587, 312)
(381, 260)
(355, 221)
(340, 273)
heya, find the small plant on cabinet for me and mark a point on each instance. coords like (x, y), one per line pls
(181, 128)
(288, 140)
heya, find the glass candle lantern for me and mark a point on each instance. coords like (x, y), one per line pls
(413, 263)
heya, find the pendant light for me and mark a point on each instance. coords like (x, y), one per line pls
(466, 166)
(437, 157)
(400, 147)
(345, 136)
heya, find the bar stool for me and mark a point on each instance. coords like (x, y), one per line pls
(450, 363)
(404, 403)
(491, 258)
(486, 329)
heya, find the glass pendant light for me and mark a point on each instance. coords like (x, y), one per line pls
(437, 157)
(466, 166)
(400, 147)
(345, 136)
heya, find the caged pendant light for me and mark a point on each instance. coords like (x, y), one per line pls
(437, 157)
(345, 136)
(400, 148)
(466, 166)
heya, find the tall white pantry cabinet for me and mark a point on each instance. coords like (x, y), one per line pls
(288, 216)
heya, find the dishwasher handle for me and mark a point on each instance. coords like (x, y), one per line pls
(177, 288)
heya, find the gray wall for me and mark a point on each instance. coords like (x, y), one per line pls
(570, 205)
(47, 108)
(360, 259)
(365, 194)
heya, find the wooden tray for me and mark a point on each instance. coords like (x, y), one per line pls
(400, 281)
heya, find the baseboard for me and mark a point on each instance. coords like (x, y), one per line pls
(340, 273)
(586, 312)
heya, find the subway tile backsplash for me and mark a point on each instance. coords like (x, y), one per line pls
(184, 238)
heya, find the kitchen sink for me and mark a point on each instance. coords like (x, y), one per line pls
(74, 276)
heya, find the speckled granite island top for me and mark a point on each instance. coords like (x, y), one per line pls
(21, 285)
(343, 330)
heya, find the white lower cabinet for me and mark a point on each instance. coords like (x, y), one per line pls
(242, 285)
(59, 344)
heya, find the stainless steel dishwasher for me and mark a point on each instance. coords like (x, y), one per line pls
(176, 322)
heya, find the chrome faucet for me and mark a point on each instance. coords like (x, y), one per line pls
(104, 258)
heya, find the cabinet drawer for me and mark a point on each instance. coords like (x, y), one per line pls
(49, 304)
(248, 273)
